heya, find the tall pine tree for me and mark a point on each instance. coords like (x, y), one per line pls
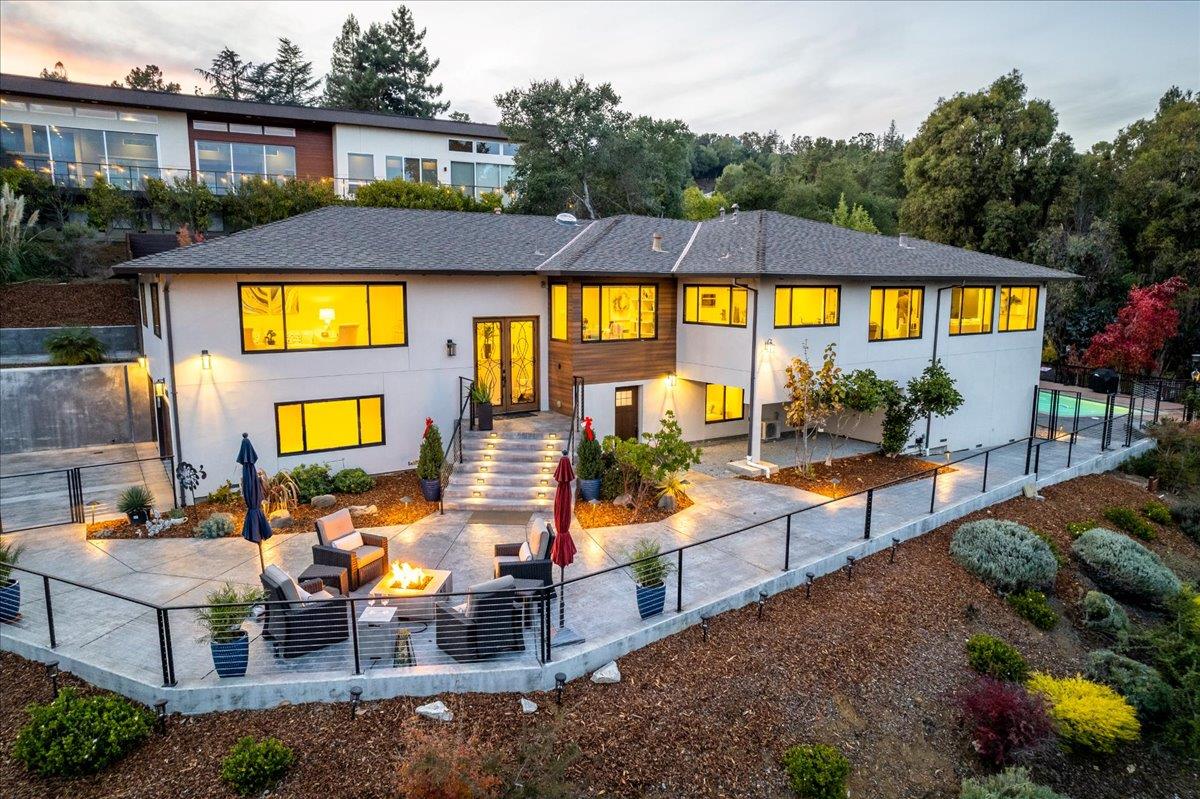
(290, 79)
(149, 79)
(229, 76)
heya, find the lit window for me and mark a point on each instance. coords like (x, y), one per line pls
(806, 306)
(1018, 308)
(723, 403)
(619, 313)
(558, 311)
(895, 313)
(714, 305)
(971, 310)
(322, 316)
(322, 425)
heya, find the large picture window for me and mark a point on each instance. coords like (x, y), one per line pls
(895, 313)
(723, 403)
(322, 425)
(225, 165)
(1018, 308)
(558, 311)
(971, 310)
(75, 156)
(619, 313)
(314, 316)
(807, 306)
(714, 305)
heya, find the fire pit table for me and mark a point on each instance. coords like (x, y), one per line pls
(402, 587)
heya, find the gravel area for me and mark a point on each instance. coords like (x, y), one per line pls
(606, 514)
(851, 474)
(870, 665)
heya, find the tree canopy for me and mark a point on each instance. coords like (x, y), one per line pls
(148, 79)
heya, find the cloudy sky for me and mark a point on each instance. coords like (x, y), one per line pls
(810, 68)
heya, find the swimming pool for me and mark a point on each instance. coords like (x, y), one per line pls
(1066, 406)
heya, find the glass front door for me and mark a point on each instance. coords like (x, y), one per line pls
(506, 359)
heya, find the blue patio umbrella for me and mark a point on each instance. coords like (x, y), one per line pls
(256, 528)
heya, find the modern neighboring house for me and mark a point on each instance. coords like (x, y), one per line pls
(75, 131)
(331, 336)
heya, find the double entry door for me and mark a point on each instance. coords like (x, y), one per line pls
(506, 359)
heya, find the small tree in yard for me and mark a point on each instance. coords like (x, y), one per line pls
(429, 462)
(930, 393)
(106, 205)
(814, 396)
(863, 393)
(1135, 342)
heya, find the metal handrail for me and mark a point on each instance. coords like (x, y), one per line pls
(159, 458)
(577, 387)
(464, 391)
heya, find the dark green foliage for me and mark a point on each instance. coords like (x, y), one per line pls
(312, 481)
(1005, 555)
(432, 455)
(75, 735)
(224, 492)
(1157, 512)
(257, 202)
(1059, 557)
(106, 205)
(1104, 615)
(1033, 606)
(254, 767)
(1128, 520)
(1012, 783)
(1123, 566)
(75, 346)
(590, 459)
(1176, 459)
(134, 498)
(1173, 648)
(817, 771)
(1076, 529)
(995, 658)
(931, 392)
(352, 481)
(149, 78)
(183, 201)
(400, 193)
(1142, 685)
(1187, 516)
(649, 568)
(612, 482)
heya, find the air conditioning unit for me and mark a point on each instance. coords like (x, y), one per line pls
(770, 431)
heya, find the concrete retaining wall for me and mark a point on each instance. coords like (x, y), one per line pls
(64, 407)
(29, 343)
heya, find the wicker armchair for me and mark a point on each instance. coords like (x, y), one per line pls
(364, 556)
(489, 623)
(296, 626)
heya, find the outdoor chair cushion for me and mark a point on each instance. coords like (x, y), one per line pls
(535, 536)
(525, 553)
(334, 526)
(506, 582)
(368, 554)
(349, 542)
(280, 579)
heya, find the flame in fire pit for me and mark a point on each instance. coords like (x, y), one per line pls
(405, 576)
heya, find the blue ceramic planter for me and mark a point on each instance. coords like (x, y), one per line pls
(650, 599)
(589, 489)
(10, 600)
(230, 657)
(431, 489)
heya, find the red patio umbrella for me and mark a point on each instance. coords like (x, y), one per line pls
(562, 551)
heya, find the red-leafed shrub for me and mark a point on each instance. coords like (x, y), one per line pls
(1004, 718)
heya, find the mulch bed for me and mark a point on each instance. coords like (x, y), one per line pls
(852, 474)
(607, 514)
(388, 494)
(79, 303)
(870, 665)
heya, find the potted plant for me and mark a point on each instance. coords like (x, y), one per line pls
(591, 464)
(429, 464)
(481, 403)
(650, 570)
(10, 589)
(227, 609)
(135, 502)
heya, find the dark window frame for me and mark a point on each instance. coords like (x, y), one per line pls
(1037, 298)
(640, 337)
(282, 289)
(156, 317)
(142, 303)
(789, 287)
(881, 340)
(304, 428)
(566, 287)
(698, 287)
(724, 391)
(992, 324)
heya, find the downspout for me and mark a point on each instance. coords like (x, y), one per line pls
(937, 329)
(177, 450)
(753, 365)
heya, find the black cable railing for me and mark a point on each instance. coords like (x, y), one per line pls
(465, 385)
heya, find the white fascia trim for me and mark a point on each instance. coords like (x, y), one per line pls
(686, 247)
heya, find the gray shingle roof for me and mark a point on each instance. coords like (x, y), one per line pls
(756, 243)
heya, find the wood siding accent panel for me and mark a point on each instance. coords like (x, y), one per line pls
(314, 144)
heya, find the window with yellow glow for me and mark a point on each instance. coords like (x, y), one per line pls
(1018, 308)
(714, 305)
(322, 425)
(971, 310)
(723, 403)
(895, 313)
(558, 311)
(619, 313)
(807, 306)
(312, 316)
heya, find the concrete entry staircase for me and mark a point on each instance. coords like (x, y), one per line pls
(510, 467)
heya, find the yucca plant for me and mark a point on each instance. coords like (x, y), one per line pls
(280, 492)
(135, 498)
(75, 346)
(10, 553)
(481, 392)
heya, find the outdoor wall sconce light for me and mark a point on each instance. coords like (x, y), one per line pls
(143, 361)
(451, 348)
(205, 360)
(160, 387)
(769, 347)
(671, 381)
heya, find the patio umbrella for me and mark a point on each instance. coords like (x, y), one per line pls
(562, 551)
(256, 528)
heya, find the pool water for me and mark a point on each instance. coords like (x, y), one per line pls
(1066, 406)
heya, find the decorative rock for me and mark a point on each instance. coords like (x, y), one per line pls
(324, 501)
(527, 706)
(623, 500)
(363, 510)
(281, 519)
(666, 502)
(607, 674)
(436, 711)
(406, 500)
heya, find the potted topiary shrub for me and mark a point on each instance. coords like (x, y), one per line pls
(481, 404)
(10, 589)
(135, 502)
(650, 570)
(429, 464)
(227, 609)
(591, 464)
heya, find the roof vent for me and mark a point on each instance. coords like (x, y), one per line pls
(904, 244)
(496, 211)
(656, 242)
(567, 220)
(735, 212)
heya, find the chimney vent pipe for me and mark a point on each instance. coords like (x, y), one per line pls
(656, 242)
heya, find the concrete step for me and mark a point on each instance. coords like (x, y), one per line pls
(531, 458)
(508, 445)
(499, 492)
(505, 466)
(520, 479)
(500, 504)
(494, 435)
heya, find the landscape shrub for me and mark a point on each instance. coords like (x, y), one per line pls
(1005, 555)
(1128, 520)
(1012, 783)
(1086, 714)
(1055, 549)
(1176, 459)
(590, 460)
(217, 525)
(1103, 614)
(1004, 719)
(611, 481)
(1157, 512)
(1076, 529)
(434, 770)
(353, 481)
(1124, 566)
(135, 498)
(1142, 685)
(253, 767)
(1187, 516)
(994, 658)
(816, 771)
(1033, 606)
(432, 455)
(75, 346)
(223, 493)
(1173, 648)
(312, 481)
(76, 735)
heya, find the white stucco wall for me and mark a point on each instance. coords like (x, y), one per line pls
(383, 142)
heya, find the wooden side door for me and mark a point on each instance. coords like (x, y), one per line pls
(625, 418)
